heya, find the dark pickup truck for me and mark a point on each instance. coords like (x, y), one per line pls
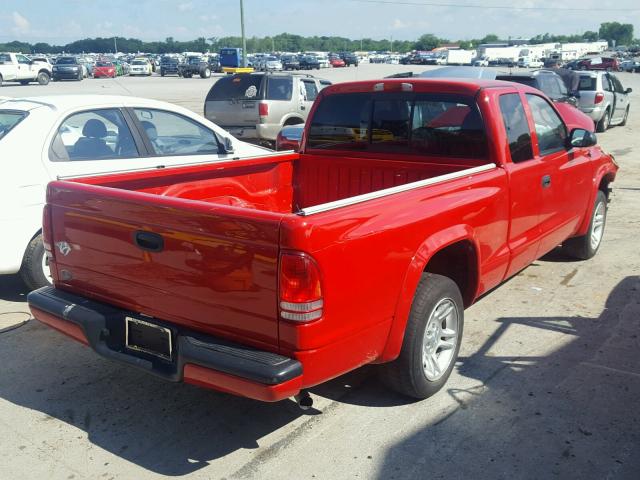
(194, 65)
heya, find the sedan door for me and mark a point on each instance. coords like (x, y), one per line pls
(622, 99)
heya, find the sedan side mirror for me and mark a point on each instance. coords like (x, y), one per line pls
(628, 90)
(582, 138)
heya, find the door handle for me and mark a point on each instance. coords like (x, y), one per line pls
(149, 241)
(546, 181)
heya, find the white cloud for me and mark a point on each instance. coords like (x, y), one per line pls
(185, 7)
(20, 23)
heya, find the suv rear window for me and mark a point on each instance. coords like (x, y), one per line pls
(587, 82)
(236, 87)
(8, 120)
(420, 124)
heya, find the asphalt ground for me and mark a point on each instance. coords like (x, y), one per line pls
(546, 386)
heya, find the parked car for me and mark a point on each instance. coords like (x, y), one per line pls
(546, 81)
(308, 62)
(104, 69)
(604, 99)
(195, 65)
(15, 67)
(67, 68)
(169, 66)
(79, 135)
(290, 62)
(336, 62)
(609, 64)
(256, 106)
(269, 64)
(140, 66)
(349, 59)
(631, 66)
(404, 206)
(528, 62)
(480, 62)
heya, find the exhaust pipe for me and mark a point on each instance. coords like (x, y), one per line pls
(304, 400)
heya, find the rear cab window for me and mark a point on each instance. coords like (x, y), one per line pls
(237, 87)
(416, 124)
(9, 119)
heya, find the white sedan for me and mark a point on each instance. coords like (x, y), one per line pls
(140, 67)
(53, 137)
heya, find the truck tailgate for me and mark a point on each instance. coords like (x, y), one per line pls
(203, 266)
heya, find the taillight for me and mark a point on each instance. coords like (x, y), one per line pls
(599, 98)
(300, 288)
(46, 232)
(263, 109)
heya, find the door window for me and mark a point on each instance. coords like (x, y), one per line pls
(310, 89)
(517, 127)
(279, 88)
(617, 86)
(606, 83)
(550, 128)
(93, 135)
(22, 59)
(173, 134)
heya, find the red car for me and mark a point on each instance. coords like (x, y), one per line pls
(336, 62)
(409, 199)
(600, 63)
(104, 70)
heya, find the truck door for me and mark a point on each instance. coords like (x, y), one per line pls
(24, 68)
(566, 182)
(525, 177)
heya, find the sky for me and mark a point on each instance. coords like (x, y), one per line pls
(62, 21)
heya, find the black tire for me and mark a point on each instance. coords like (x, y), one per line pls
(31, 271)
(603, 123)
(583, 248)
(43, 78)
(626, 116)
(407, 373)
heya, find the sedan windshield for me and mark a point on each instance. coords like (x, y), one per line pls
(8, 120)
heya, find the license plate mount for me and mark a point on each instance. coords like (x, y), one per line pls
(147, 337)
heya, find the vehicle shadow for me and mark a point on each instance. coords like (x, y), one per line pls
(12, 289)
(569, 414)
(170, 429)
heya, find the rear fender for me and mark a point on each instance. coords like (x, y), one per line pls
(419, 262)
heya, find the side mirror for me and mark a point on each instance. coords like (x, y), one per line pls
(582, 138)
(628, 90)
(290, 138)
(228, 145)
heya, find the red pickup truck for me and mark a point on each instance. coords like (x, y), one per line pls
(266, 276)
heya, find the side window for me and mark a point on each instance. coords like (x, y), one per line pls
(550, 128)
(279, 88)
(93, 135)
(517, 127)
(606, 83)
(617, 86)
(22, 59)
(173, 134)
(311, 90)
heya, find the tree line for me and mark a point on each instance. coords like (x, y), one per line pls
(614, 32)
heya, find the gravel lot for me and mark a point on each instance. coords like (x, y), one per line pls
(547, 383)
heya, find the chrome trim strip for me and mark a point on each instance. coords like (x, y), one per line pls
(393, 190)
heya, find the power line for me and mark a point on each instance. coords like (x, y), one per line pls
(496, 7)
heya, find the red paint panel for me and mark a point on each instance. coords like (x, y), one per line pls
(207, 378)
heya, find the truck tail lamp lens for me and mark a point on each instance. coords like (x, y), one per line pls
(300, 288)
(599, 98)
(263, 109)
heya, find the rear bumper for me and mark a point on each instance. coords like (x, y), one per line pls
(198, 359)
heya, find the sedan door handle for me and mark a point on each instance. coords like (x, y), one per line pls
(546, 181)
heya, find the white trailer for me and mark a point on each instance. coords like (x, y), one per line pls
(460, 57)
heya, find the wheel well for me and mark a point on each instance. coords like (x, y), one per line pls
(604, 184)
(458, 261)
(44, 70)
(293, 121)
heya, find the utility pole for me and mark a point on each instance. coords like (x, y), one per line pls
(244, 40)
(115, 45)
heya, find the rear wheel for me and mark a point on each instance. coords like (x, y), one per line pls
(35, 267)
(603, 124)
(206, 73)
(587, 246)
(431, 340)
(43, 78)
